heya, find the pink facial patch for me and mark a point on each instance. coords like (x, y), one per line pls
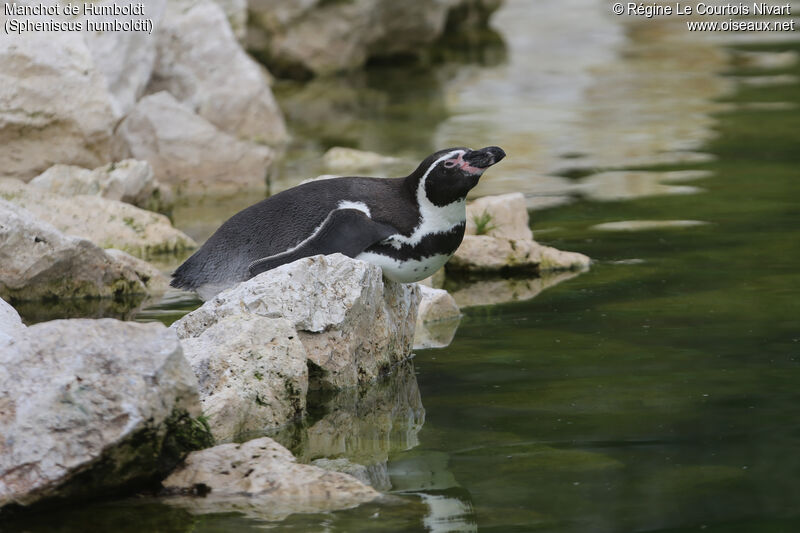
(463, 165)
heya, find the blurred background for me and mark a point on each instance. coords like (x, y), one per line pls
(656, 392)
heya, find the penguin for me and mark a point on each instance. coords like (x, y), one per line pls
(407, 226)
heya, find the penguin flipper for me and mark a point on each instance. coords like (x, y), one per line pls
(346, 231)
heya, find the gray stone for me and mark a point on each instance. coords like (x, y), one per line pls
(436, 305)
(128, 181)
(437, 319)
(38, 261)
(505, 216)
(202, 65)
(236, 13)
(261, 479)
(107, 223)
(54, 104)
(89, 407)
(156, 281)
(10, 323)
(327, 37)
(125, 58)
(483, 253)
(188, 152)
(353, 324)
(252, 373)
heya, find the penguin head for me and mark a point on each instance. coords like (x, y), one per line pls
(448, 175)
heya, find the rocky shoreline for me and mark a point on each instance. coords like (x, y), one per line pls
(103, 132)
(104, 407)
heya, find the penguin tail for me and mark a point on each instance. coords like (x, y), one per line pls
(182, 278)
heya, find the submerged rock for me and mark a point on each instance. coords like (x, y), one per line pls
(252, 373)
(107, 223)
(128, 181)
(203, 66)
(37, 261)
(54, 105)
(353, 324)
(188, 152)
(261, 479)
(90, 408)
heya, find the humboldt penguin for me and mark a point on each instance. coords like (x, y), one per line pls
(407, 226)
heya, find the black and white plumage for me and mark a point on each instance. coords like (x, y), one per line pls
(408, 226)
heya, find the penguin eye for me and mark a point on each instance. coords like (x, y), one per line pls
(450, 163)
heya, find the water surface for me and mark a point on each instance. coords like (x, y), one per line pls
(657, 392)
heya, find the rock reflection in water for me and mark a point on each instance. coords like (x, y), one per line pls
(435, 334)
(428, 476)
(497, 291)
(363, 425)
(33, 312)
(626, 185)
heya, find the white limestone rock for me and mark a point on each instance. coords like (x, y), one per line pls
(353, 324)
(506, 216)
(252, 374)
(156, 281)
(436, 305)
(203, 66)
(125, 59)
(318, 37)
(188, 152)
(236, 13)
(483, 253)
(261, 479)
(54, 104)
(92, 406)
(38, 261)
(10, 323)
(107, 223)
(437, 319)
(128, 181)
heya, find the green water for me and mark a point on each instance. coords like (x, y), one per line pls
(660, 391)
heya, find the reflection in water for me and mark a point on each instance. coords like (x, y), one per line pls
(435, 334)
(646, 225)
(627, 184)
(363, 425)
(473, 293)
(43, 311)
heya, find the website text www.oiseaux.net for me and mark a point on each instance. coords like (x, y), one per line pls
(702, 9)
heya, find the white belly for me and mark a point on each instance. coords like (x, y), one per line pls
(405, 271)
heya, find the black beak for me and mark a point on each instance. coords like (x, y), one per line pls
(485, 157)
